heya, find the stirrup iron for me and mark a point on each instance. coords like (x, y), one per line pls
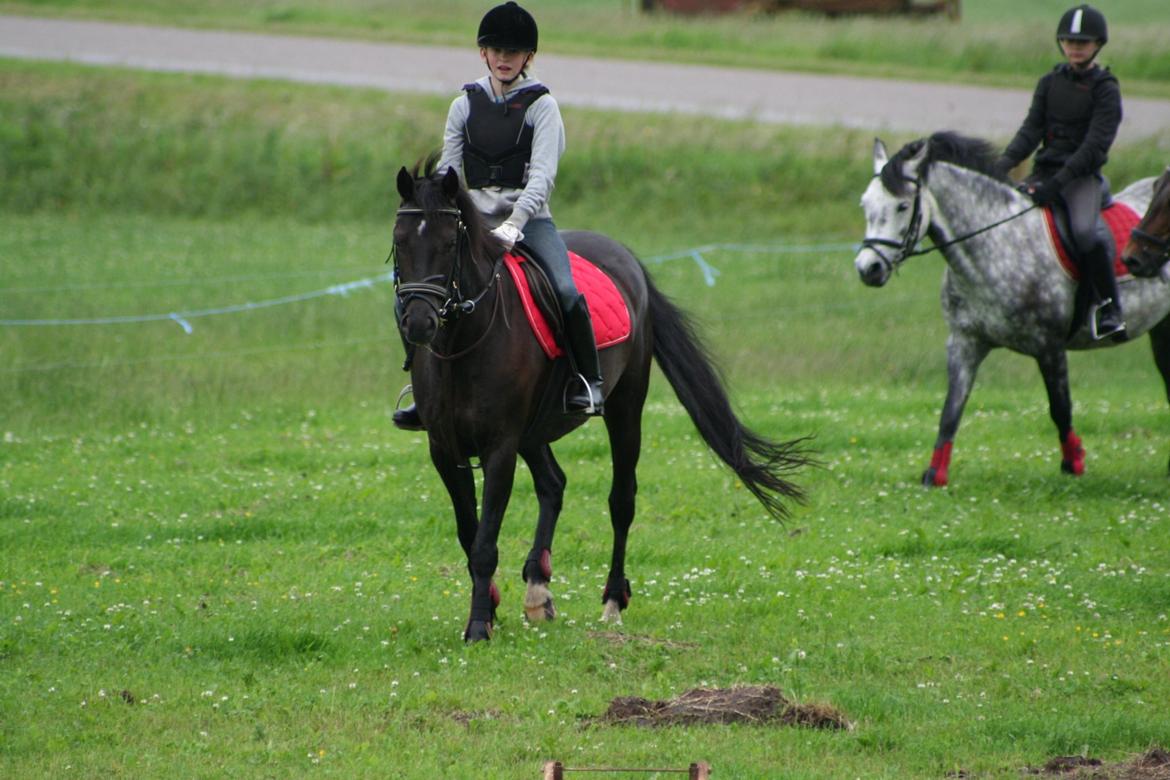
(591, 409)
(1096, 334)
(408, 390)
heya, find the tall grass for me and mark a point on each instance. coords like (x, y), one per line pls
(997, 41)
(221, 560)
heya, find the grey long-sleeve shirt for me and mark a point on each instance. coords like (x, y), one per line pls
(548, 144)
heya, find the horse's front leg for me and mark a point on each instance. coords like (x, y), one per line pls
(460, 484)
(499, 471)
(1054, 369)
(964, 354)
(549, 481)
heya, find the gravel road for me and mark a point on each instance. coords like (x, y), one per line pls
(766, 96)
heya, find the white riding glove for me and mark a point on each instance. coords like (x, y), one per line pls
(508, 234)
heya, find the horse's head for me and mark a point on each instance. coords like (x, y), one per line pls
(896, 215)
(1148, 247)
(904, 200)
(438, 234)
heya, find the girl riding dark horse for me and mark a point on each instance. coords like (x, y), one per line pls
(486, 390)
(505, 137)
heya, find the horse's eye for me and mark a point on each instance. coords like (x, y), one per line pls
(903, 206)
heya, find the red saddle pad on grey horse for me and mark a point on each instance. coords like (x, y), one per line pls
(1120, 219)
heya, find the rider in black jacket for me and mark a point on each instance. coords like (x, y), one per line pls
(1074, 116)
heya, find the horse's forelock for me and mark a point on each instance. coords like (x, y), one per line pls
(430, 196)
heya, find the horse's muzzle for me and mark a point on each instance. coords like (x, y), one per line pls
(420, 323)
(872, 269)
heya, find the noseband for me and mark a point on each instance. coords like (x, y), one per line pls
(446, 300)
(905, 247)
(1162, 245)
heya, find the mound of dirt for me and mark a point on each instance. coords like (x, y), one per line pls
(742, 704)
(1154, 764)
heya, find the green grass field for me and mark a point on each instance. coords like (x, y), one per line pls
(996, 41)
(221, 560)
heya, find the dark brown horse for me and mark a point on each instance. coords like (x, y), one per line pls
(485, 389)
(1149, 243)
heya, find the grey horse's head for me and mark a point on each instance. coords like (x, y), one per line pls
(896, 216)
(899, 206)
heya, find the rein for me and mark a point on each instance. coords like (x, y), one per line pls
(906, 245)
(447, 300)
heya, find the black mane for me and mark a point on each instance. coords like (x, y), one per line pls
(945, 146)
(429, 196)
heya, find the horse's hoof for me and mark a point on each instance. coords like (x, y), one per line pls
(541, 612)
(612, 613)
(934, 478)
(478, 631)
(538, 604)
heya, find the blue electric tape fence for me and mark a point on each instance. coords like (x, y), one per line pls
(184, 318)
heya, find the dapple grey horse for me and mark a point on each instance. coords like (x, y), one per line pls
(1003, 285)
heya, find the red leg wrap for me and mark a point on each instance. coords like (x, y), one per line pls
(1073, 454)
(546, 564)
(940, 462)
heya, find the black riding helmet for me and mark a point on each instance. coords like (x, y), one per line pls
(507, 26)
(1083, 23)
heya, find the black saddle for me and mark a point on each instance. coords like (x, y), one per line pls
(1060, 218)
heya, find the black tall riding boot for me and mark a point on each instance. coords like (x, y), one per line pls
(581, 347)
(1106, 318)
(407, 417)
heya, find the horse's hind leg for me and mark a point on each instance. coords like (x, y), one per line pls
(549, 481)
(964, 354)
(623, 421)
(1054, 369)
(1160, 344)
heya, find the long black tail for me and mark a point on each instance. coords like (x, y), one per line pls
(762, 464)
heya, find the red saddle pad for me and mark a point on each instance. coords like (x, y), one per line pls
(1119, 217)
(607, 307)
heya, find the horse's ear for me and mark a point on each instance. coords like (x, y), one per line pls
(405, 184)
(451, 183)
(880, 156)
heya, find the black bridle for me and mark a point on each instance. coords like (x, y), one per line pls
(1161, 244)
(446, 299)
(906, 248)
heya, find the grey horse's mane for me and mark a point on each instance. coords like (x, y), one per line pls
(945, 146)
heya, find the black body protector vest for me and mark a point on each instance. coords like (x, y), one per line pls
(497, 144)
(1070, 111)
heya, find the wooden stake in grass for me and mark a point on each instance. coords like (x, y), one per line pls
(555, 770)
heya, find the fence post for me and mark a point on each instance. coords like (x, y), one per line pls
(700, 771)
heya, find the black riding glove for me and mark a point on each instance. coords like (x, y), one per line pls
(1046, 192)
